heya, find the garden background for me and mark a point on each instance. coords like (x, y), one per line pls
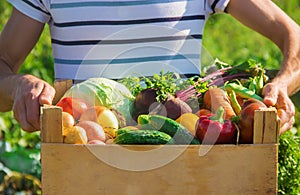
(224, 38)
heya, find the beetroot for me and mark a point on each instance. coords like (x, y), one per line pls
(143, 101)
(146, 102)
(175, 107)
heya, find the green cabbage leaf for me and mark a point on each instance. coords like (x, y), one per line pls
(104, 92)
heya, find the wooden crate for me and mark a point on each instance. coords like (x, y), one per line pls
(168, 169)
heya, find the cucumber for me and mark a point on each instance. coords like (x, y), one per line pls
(122, 130)
(143, 137)
(164, 124)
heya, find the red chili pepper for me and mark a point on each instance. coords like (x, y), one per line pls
(212, 129)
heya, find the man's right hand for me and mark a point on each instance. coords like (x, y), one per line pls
(29, 95)
(21, 93)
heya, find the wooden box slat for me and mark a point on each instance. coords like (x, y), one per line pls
(258, 127)
(51, 124)
(171, 169)
(225, 169)
(271, 126)
(61, 86)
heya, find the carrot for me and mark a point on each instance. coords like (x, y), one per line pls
(203, 111)
(216, 97)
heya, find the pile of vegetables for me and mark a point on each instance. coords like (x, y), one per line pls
(214, 108)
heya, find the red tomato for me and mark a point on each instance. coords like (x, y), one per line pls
(74, 106)
(246, 120)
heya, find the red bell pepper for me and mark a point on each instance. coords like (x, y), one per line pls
(213, 129)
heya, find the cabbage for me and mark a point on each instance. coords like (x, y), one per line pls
(104, 92)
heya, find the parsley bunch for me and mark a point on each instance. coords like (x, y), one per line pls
(165, 83)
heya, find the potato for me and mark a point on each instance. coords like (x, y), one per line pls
(96, 142)
(93, 130)
(67, 119)
(74, 135)
(109, 141)
(102, 115)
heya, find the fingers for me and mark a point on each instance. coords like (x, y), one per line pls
(32, 111)
(26, 112)
(275, 96)
(286, 116)
(287, 126)
(27, 104)
(46, 95)
(20, 114)
(270, 95)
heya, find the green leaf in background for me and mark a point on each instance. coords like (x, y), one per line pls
(21, 159)
(289, 164)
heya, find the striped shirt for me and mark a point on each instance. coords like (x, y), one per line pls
(118, 38)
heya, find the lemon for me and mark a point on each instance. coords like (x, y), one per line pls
(188, 120)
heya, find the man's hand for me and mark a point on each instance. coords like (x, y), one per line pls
(276, 95)
(30, 94)
(21, 93)
(266, 18)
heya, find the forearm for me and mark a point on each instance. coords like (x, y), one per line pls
(16, 42)
(267, 19)
(289, 43)
(289, 73)
(8, 83)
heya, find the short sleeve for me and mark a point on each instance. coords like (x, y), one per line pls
(32, 8)
(216, 6)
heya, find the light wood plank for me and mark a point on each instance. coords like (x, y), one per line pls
(51, 124)
(225, 169)
(271, 126)
(61, 86)
(258, 127)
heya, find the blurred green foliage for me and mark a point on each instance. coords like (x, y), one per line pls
(224, 38)
(227, 39)
(289, 164)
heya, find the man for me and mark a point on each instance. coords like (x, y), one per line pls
(77, 28)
